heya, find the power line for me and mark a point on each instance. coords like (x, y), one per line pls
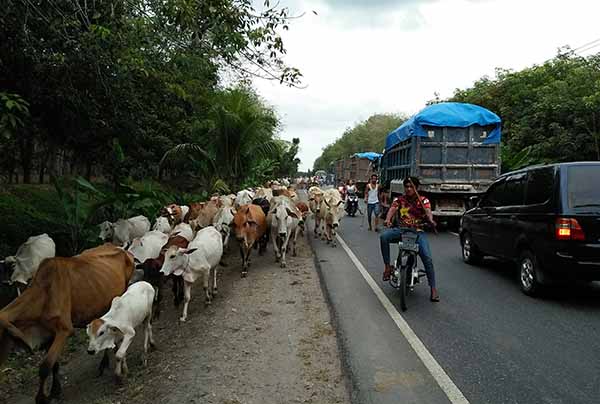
(587, 44)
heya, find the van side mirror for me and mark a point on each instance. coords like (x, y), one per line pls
(474, 201)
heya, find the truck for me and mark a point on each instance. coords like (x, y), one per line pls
(359, 167)
(454, 150)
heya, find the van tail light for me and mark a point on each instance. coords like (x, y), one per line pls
(569, 229)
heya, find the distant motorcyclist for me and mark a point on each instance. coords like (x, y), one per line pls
(412, 213)
(351, 198)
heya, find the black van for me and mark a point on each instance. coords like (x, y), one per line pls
(545, 218)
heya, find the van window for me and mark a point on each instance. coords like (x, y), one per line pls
(540, 183)
(494, 196)
(582, 186)
(510, 192)
(514, 193)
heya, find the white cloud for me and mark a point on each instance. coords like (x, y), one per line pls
(359, 60)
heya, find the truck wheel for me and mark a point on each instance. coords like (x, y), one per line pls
(470, 253)
(528, 267)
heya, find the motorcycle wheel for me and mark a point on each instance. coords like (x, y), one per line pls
(403, 286)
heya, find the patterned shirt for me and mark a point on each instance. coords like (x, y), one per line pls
(410, 213)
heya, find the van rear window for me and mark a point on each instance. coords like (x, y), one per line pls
(582, 185)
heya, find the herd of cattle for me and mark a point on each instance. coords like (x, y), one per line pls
(115, 287)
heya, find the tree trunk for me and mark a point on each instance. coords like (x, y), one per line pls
(42, 172)
(26, 157)
(88, 169)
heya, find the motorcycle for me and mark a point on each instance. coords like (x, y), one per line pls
(406, 275)
(351, 204)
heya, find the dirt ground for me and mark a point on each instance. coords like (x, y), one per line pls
(266, 338)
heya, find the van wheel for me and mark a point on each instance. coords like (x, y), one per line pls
(528, 267)
(469, 251)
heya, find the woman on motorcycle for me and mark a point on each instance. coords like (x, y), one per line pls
(352, 198)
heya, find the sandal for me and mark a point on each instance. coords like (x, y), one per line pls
(386, 274)
(434, 299)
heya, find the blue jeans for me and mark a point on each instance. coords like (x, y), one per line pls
(372, 208)
(394, 235)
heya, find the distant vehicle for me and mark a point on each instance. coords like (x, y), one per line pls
(546, 218)
(321, 176)
(359, 167)
(453, 148)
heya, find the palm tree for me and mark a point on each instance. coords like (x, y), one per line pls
(239, 139)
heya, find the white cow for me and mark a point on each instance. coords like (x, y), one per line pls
(244, 197)
(28, 257)
(126, 312)
(284, 220)
(124, 230)
(222, 222)
(331, 211)
(148, 246)
(162, 224)
(227, 201)
(200, 258)
(266, 193)
(184, 230)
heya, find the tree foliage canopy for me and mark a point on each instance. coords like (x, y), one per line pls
(551, 111)
(368, 135)
(76, 75)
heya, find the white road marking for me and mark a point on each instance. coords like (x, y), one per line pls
(443, 380)
(451, 232)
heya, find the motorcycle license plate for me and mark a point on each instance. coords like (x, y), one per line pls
(409, 243)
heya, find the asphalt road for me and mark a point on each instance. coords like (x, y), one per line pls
(496, 344)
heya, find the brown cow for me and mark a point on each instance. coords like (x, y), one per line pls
(66, 293)
(304, 210)
(153, 276)
(250, 226)
(202, 214)
(314, 203)
(174, 213)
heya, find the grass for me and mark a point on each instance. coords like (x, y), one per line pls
(25, 211)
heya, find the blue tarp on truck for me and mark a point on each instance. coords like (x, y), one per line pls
(447, 114)
(367, 155)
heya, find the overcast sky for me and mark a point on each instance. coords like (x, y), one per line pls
(361, 57)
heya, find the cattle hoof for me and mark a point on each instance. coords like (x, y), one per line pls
(41, 399)
(283, 264)
(207, 302)
(56, 391)
(119, 380)
(153, 347)
(215, 292)
(244, 274)
(294, 254)
(182, 319)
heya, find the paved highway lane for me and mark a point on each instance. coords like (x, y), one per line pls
(496, 344)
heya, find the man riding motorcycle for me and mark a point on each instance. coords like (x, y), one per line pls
(412, 212)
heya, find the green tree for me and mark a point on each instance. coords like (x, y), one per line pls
(368, 135)
(234, 142)
(552, 110)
